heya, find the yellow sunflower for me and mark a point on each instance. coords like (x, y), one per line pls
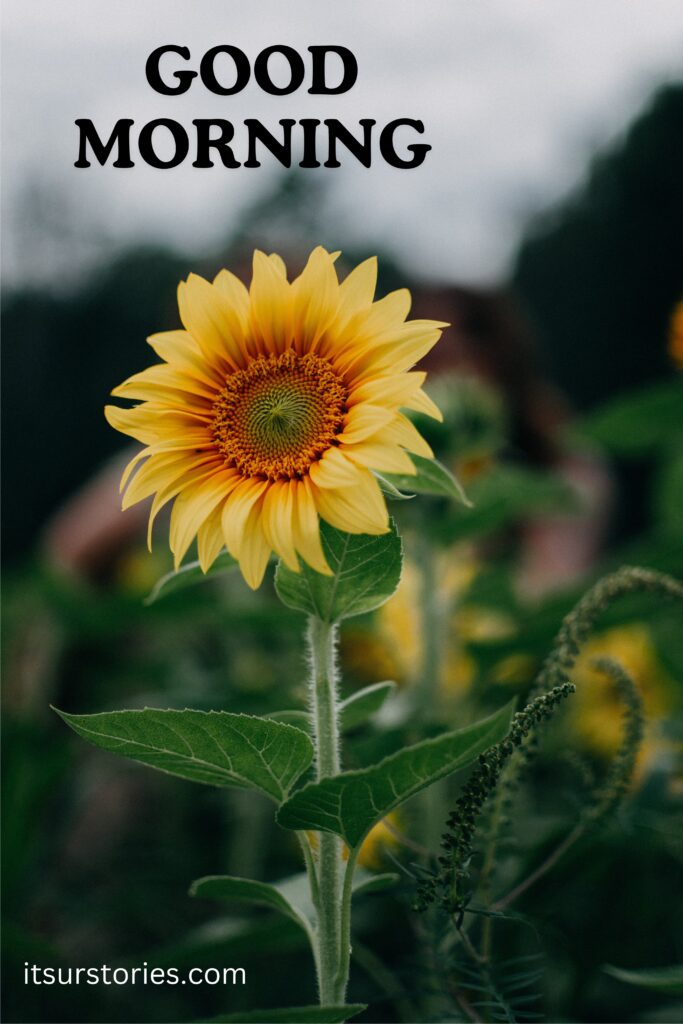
(273, 407)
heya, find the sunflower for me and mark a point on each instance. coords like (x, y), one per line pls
(273, 407)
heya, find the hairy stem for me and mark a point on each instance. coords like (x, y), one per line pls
(331, 980)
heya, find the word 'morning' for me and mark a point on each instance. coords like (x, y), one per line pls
(165, 143)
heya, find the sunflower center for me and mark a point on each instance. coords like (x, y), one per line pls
(279, 415)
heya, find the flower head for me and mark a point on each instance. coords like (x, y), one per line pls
(273, 407)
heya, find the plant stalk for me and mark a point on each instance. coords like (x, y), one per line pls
(333, 913)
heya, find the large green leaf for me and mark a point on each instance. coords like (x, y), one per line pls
(432, 477)
(661, 979)
(351, 803)
(295, 1015)
(188, 576)
(365, 573)
(290, 897)
(214, 747)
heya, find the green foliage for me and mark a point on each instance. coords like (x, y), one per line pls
(502, 496)
(290, 897)
(366, 571)
(431, 478)
(636, 423)
(667, 980)
(504, 991)
(215, 747)
(188, 576)
(246, 890)
(669, 496)
(578, 624)
(295, 1015)
(353, 712)
(447, 884)
(349, 804)
(360, 706)
(390, 490)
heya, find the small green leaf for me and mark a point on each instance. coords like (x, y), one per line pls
(280, 897)
(661, 979)
(351, 803)
(365, 882)
(432, 477)
(295, 1015)
(366, 571)
(357, 708)
(213, 747)
(291, 897)
(353, 711)
(390, 491)
(188, 576)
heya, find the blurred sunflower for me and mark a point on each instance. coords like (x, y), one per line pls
(596, 713)
(676, 335)
(273, 407)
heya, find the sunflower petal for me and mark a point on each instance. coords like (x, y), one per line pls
(381, 456)
(315, 295)
(361, 511)
(277, 519)
(421, 402)
(211, 321)
(307, 528)
(333, 471)
(182, 352)
(271, 306)
(193, 506)
(210, 539)
(254, 549)
(236, 511)
(363, 420)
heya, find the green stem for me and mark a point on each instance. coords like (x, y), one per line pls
(345, 946)
(432, 629)
(322, 648)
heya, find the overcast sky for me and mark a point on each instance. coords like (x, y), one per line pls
(515, 96)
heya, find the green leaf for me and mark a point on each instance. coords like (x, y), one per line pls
(353, 711)
(293, 716)
(366, 571)
(280, 897)
(188, 576)
(213, 747)
(295, 1015)
(669, 496)
(290, 897)
(661, 979)
(390, 491)
(636, 423)
(503, 496)
(432, 477)
(351, 803)
(357, 708)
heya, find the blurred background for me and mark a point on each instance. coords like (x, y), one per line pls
(546, 226)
